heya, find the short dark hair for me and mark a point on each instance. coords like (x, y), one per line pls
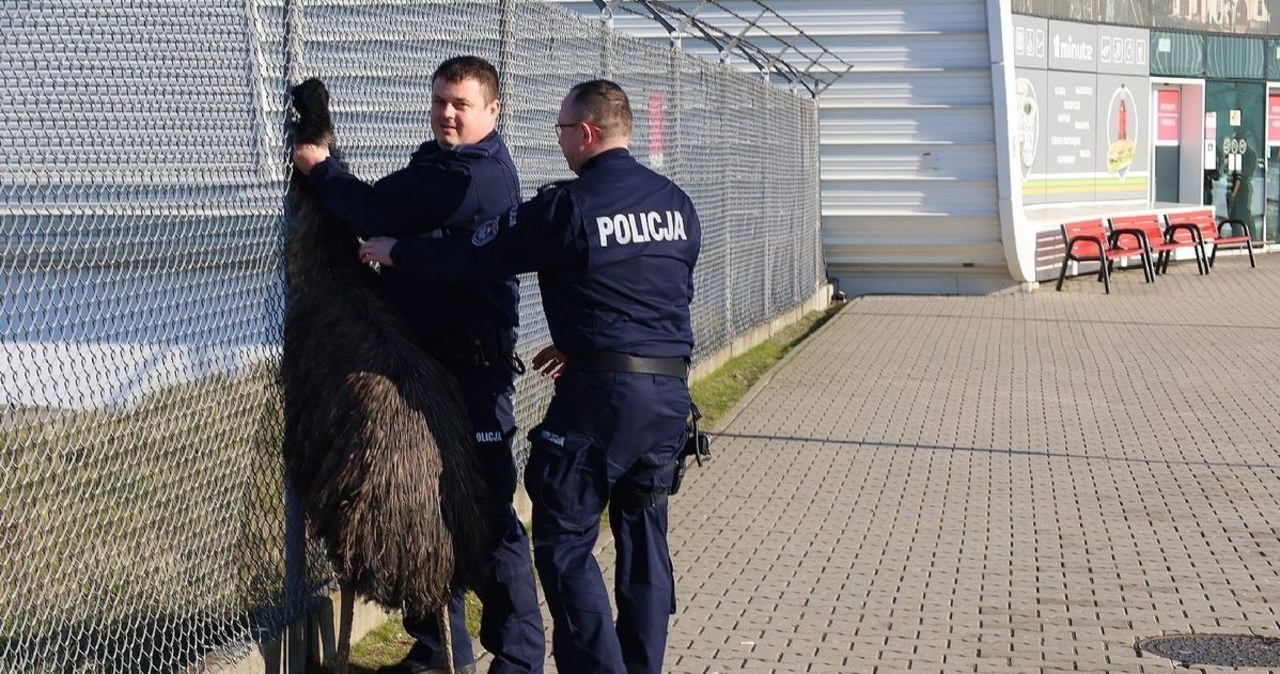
(460, 68)
(604, 104)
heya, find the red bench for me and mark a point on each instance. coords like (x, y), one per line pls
(1088, 241)
(1201, 229)
(1146, 230)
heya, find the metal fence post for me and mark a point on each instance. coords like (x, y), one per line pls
(505, 47)
(294, 638)
(606, 50)
(673, 155)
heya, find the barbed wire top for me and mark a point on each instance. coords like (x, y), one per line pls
(768, 40)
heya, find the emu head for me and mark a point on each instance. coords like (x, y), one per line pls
(313, 124)
(318, 242)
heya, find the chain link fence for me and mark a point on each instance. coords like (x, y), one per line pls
(143, 519)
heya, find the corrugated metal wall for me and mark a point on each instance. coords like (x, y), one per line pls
(909, 192)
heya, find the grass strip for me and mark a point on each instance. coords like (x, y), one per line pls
(718, 392)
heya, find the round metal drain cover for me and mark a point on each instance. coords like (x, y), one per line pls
(1225, 650)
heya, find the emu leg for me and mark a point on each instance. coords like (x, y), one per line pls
(446, 636)
(346, 611)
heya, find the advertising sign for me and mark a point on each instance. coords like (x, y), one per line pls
(1030, 42)
(1124, 51)
(1123, 153)
(1031, 131)
(1168, 116)
(1081, 126)
(1072, 136)
(1214, 16)
(657, 131)
(1273, 120)
(1073, 46)
(1072, 106)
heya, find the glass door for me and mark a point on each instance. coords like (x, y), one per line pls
(1236, 186)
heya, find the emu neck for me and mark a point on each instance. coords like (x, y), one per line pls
(322, 251)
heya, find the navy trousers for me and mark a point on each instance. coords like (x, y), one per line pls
(608, 438)
(511, 627)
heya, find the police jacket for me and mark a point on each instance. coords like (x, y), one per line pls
(614, 251)
(439, 191)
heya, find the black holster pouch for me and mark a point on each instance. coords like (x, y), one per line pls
(696, 444)
(496, 344)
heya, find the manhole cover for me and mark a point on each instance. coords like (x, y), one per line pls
(1225, 650)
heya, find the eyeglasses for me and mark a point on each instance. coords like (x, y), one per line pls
(561, 126)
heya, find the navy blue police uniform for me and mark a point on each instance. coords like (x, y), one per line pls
(614, 251)
(470, 328)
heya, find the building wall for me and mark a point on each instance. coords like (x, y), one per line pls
(910, 200)
(935, 178)
(1208, 61)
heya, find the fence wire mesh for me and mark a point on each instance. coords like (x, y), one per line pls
(143, 519)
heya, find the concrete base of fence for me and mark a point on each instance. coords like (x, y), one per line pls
(757, 335)
(312, 639)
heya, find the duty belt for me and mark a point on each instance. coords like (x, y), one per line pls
(612, 361)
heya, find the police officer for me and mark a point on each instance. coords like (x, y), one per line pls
(614, 251)
(462, 177)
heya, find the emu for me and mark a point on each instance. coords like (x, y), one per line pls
(377, 442)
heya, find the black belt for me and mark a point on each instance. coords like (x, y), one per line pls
(612, 361)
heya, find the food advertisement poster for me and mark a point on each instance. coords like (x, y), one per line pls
(1081, 110)
(1030, 93)
(1072, 142)
(1123, 120)
(1273, 119)
(1031, 125)
(1168, 117)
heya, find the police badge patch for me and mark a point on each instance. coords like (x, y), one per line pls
(485, 233)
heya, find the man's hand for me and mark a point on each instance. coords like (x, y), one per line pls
(306, 156)
(549, 362)
(378, 249)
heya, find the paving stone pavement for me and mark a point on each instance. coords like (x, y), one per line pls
(1015, 483)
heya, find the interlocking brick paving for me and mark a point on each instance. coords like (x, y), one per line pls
(1014, 483)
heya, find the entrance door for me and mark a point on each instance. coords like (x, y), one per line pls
(1236, 185)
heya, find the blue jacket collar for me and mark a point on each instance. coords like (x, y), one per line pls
(490, 144)
(606, 157)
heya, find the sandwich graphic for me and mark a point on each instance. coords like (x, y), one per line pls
(1120, 155)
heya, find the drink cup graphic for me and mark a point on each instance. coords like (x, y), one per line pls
(1122, 145)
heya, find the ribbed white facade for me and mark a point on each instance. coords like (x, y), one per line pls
(910, 197)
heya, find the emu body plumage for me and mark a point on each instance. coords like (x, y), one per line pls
(377, 439)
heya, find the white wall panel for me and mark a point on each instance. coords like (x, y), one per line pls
(964, 161)
(903, 124)
(908, 196)
(951, 87)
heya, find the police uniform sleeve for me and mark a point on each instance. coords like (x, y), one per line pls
(695, 228)
(538, 235)
(410, 201)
